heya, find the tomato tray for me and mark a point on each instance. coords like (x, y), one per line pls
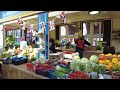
(31, 67)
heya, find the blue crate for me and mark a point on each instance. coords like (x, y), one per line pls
(39, 72)
(18, 61)
(7, 61)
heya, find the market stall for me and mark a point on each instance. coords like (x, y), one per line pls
(27, 62)
(21, 38)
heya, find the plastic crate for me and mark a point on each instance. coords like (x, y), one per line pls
(20, 60)
(55, 76)
(31, 67)
(65, 66)
(43, 73)
(16, 62)
(7, 61)
(25, 59)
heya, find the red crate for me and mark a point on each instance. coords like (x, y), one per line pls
(30, 67)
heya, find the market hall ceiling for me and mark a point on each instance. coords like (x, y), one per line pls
(71, 16)
(52, 14)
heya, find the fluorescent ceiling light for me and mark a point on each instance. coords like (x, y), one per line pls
(93, 12)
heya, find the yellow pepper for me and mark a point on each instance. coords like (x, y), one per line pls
(115, 60)
(107, 61)
(108, 67)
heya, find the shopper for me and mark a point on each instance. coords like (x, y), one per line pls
(80, 42)
(21, 39)
(52, 45)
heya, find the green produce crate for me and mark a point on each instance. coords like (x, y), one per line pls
(53, 75)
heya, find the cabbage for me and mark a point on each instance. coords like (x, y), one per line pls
(88, 67)
(95, 67)
(84, 61)
(94, 59)
(76, 58)
(102, 68)
(74, 65)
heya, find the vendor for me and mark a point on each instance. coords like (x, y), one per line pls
(80, 42)
(52, 45)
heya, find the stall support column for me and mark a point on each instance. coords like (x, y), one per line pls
(44, 17)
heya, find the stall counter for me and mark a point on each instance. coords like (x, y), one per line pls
(87, 53)
(18, 72)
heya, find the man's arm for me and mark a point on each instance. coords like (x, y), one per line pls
(87, 43)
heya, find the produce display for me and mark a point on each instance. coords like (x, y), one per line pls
(44, 67)
(31, 53)
(78, 75)
(6, 55)
(104, 66)
(62, 69)
(59, 72)
(111, 63)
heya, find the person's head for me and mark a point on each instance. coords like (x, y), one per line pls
(82, 37)
(51, 39)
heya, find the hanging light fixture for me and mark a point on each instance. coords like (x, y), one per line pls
(93, 12)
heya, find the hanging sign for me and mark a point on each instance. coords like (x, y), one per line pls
(23, 25)
(63, 17)
(19, 21)
(43, 25)
(31, 27)
(51, 25)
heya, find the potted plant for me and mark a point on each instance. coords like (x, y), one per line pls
(57, 43)
(68, 45)
(9, 41)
